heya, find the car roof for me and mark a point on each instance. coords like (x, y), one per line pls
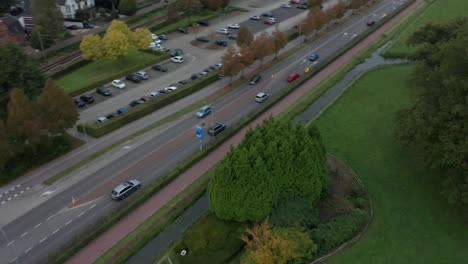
(121, 186)
(205, 107)
(261, 94)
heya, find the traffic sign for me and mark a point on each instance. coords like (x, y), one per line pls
(199, 131)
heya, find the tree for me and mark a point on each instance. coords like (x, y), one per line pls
(266, 245)
(244, 37)
(437, 122)
(340, 9)
(91, 47)
(127, 7)
(274, 158)
(172, 12)
(213, 4)
(6, 148)
(246, 58)
(23, 72)
(57, 109)
(48, 16)
(355, 4)
(231, 64)
(315, 5)
(39, 35)
(190, 7)
(116, 45)
(279, 39)
(5, 5)
(263, 46)
(309, 25)
(141, 38)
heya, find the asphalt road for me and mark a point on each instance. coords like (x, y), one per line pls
(45, 228)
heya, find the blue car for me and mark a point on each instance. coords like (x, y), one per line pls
(121, 110)
(313, 56)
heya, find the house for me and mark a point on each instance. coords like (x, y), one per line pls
(70, 7)
(12, 29)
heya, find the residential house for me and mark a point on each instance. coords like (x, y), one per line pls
(70, 7)
(12, 29)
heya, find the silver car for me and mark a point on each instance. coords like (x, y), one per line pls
(142, 74)
(125, 189)
(261, 97)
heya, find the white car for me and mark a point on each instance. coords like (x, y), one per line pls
(285, 6)
(260, 97)
(154, 36)
(177, 59)
(224, 31)
(219, 65)
(155, 46)
(234, 26)
(154, 94)
(170, 88)
(118, 84)
(101, 119)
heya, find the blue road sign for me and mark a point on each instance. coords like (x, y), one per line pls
(199, 131)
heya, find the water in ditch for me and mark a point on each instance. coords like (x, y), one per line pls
(160, 243)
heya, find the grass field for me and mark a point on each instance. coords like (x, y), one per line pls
(412, 222)
(438, 11)
(100, 71)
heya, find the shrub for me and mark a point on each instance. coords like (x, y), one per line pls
(294, 211)
(127, 7)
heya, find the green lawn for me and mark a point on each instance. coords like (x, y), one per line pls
(412, 222)
(96, 73)
(438, 11)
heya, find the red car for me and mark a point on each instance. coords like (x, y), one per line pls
(145, 98)
(292, 77)
(268, 22)
(294, 2)
(73, 27)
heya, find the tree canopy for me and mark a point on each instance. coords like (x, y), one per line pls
(128, 7)
(48, 16)
(437, 122)
(274, 158)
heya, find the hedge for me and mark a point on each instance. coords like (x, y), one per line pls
(100, 129)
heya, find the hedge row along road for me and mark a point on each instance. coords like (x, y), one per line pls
(51, 224)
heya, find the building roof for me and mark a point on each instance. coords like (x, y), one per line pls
(13, 24)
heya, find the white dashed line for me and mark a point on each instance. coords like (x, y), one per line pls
(25, 233)
(16, 195)
(27, 188)
(69, 222)
(37, 225)
(13, 260)
(1, 194)
(82, 213)
(48, 218)
(27, 250)
(3, 202)
(9, 198)
(55, 231)
(22, 191)
(11, 242)
(92, 206)
(42, 240)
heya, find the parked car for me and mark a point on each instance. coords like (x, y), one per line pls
(302, 6)
(143, 75)
(163, 92)
(285, 6)
(87, 98)
(370, 23)
(170, 88)
(154, 94)
(221, 43)
(268, 22)
(294, 2)
(121, 110)
(203, 39)
(232, 36)
(176, 52)
(267, 14)
(260, 97)
(204, 111)
(313, 56)
(154, 36)
(160, 67)
(161, 48)
(177, 59)
(216, 128)
(292, 77)
(118, 84)
(80, 103)
(186, 81)
(136, 102)
(255, 79)
(218, 65)
(224, 31)
(145, 98)
(183, 30)
(272, 19)
(88, 25)
(110, 116)
(203, 23)
(124, 189)
(155, 46)
(104, 91)
(162, 37)
(101, 119)
(73, 27)
(234, 26)
(255, 18)
(133, 78)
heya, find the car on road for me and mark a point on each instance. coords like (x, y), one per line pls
(136, 102)
(154, 46)
(154, 94)
(203, 39)
(80, 103)
(234, 26)
(302, 6)
(176, 52)
(110, 116)
(124, 189)
(292, 77)
(203, 23)
(232, 36)
(143, 75)
(87, 98)
(255, 79)
(313, 56)
(161, 48)
(162, 37)
(118, 84)
(73, 27)
(260, 97)
(183, 30)
(177, 59)
(145, 98)
(204, 111)
(133, 78)
(224, 31)
(216, 128)
(285, 6)
(267, 14)
(196, 76)
(160, 67)
(102, 119)
(294, 2)
(189, 80)
(104, 91)
(255, 18)
(221, 43)
(88, 25)
(268, 22)
(170, 88)
(121, 110)
(370, 23)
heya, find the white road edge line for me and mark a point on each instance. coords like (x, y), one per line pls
(42, 240)
(55, 231)
(92, 206)
(82, 213)
(27, 250)
(69, 222)
(25, 233)
(11, 242)
(36, 226)
(13, 260)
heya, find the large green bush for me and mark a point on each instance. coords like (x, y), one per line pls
(127, 7)
(294, 211)
(276, 157)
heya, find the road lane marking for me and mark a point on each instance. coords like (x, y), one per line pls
(55, 231)
(11, 242)
(27, 250)
(69, 222)
(92, 206)
(3, 202)
(22, 191)
(16, 195)
(13, 260)
(42, 240)
(25, 233)
(82, 213)
(37, 225)
(9, 198)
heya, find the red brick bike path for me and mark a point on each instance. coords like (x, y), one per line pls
(104, 242)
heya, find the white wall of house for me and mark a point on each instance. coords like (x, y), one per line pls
(70, 7)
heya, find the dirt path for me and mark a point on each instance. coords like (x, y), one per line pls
(126, 225)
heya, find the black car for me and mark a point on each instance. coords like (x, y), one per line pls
(195, 76)
(208, 69)
(136, 102)
(232, 36)
(255, 79)
(176, 52)
(267, 14)
(80, 103)
(134, 78)
(185, 81)
(110, 116)
(203, 39)
(203, 23)
(162, 37)
(370, 23)
(104, 91)
(221, 43)
(88, 25)
(183, 30)
(302, 6)
(87, 98)
(216, 128)
(159, 67)
(163, 91)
